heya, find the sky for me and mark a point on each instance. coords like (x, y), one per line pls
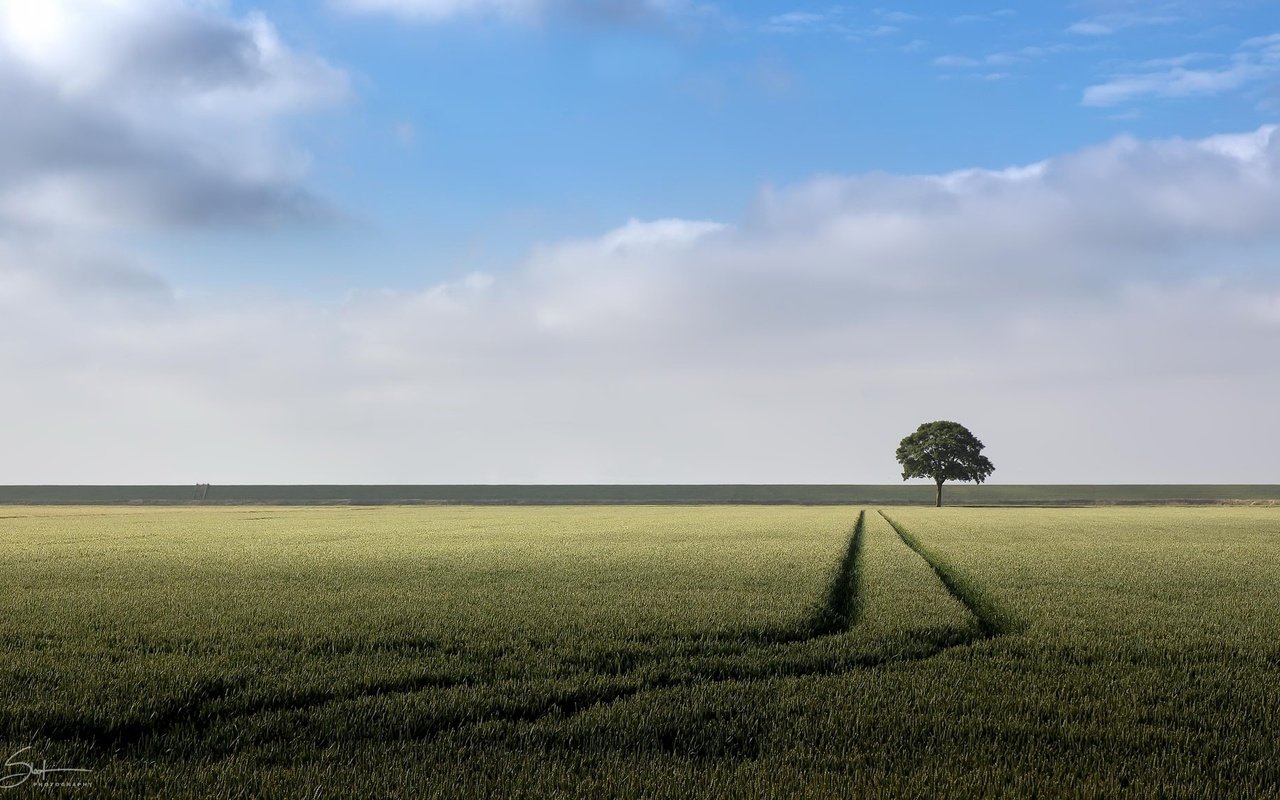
(636, 241)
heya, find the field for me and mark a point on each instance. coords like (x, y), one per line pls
(657, 651)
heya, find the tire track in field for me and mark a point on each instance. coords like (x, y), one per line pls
(199, 710)
(992, 620)
(780, 652)
(844, 596)
(204, 707)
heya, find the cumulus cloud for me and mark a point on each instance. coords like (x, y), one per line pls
(151, 113)
(1072, 311)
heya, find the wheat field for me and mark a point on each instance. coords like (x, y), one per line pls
(655, 651)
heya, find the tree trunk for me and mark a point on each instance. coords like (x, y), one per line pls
(939, 496)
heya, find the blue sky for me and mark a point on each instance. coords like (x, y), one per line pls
(451, 241)
(467, 139)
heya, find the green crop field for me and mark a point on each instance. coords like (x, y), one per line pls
(641, 651)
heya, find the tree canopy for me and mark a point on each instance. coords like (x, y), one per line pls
(943, 451)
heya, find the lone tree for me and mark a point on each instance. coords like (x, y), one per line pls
(943, 451)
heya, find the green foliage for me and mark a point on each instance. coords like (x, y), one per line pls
(943, 451)
(644, 651)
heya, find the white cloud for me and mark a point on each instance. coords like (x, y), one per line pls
(151, 112)
(1108, 24)
(795, 21)
(1267, 44)
(444, 9)
(436, 11)
(1071, 311)
(1004, 13)
(839, 21)
(1091, 28)
(1004, 58)
(1258, 59)
(1175, 82)
(897, 17)
(1175, 61)
(956, 61)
